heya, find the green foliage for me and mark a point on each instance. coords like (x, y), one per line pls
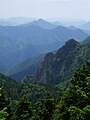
(44, 108)
(5, 110)
(3, 114)
(24, 109)
(75, 103)
(75, 113)
(4, 102)
(10, 86)
(33, 91)
(86, 112)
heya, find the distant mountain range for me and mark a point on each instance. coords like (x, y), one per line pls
(14, 21)
(43, 24)
(19, 43)
(85, 26)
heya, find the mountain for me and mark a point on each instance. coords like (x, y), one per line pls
(15, 21)
(12, 54)
(43, 24)
(72, 27)
(57, 23)
(19, 43)
(21, 20)
(26, 68)
(59, 66)
(73, 22)
(6, 23)
(85, 26)
(65, 33)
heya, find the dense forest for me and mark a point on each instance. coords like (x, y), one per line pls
(34, 101)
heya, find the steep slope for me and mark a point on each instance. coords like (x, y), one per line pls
(26, 68)
(10, 86)
(60, 66)
(65, 34)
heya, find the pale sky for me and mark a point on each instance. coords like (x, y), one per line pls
(64, 9)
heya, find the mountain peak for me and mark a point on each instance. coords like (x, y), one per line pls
(41, 20)
(69, 46)
(59, 66)
(43, 24)
(71, 42)
(72, 27)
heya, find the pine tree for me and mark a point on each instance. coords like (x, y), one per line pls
(4, 105)
(75, 103)
(44, 108)
(24, 109)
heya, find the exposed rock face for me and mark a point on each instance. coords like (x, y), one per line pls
(45, 69)
(54, 67)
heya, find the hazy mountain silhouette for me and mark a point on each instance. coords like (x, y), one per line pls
(43, 24)
(18, 43)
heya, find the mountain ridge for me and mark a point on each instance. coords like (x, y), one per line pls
(59, 67)
(18, 43)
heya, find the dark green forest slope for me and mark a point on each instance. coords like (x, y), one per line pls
(73, 104)
(10, 86)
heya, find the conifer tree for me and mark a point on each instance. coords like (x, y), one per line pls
(75, 103)
(24, 109)
(5, 108)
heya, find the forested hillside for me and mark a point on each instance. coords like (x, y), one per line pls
(39, 102)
